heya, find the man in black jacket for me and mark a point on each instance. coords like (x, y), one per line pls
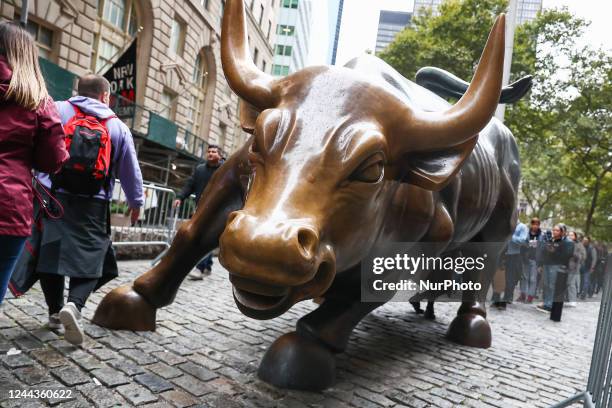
(196, 185)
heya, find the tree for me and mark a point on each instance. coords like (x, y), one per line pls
(453, 40)
(562, 128)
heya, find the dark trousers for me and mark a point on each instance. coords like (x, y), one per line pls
(53, 289)
(205, 263)
(514, 272)
(10, 249)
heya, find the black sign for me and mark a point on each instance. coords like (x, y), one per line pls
(122, 78)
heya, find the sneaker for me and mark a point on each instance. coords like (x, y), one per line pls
(71, 319)
(196, 274)
(543, 309)
(571, 304)
(54, 322)
(206, 272)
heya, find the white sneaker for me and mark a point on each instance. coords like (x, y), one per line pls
(196, 274)
(571, 304)
(54, 322)
(70, 318)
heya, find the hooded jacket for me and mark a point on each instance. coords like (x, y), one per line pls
(125, 162)
(28, 140)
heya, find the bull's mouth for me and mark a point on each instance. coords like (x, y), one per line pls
(258, 296)
(263, 301)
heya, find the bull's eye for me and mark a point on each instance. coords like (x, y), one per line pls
(370, 171)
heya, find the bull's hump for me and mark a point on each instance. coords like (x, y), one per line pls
(412, 93)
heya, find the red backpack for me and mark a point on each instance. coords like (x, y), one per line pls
(89, 144)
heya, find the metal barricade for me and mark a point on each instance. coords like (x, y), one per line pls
(599, 387)
(156, 225)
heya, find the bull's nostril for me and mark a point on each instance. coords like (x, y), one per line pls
(232, 217)
(308, 241)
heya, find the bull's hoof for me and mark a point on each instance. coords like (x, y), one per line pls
(470, 329)
(298, 362)
(124, 309)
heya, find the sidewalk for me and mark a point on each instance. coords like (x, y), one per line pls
(206, 353)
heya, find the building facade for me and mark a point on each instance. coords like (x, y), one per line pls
(294, 21)
(334, 13)
(526, 10)
(420, 6)
(182, 100)
(390, 23)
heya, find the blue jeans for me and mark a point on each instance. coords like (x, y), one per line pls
(530, 278)
(514, 272)
(550, 279)
(10, 249)
(585, 282)
(205, 263)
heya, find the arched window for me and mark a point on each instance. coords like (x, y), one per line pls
(198, 94)
(118, 24)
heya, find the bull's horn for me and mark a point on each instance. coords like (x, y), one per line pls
(433, 130)
(250, 83)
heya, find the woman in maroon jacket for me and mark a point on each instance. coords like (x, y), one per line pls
(31, 136)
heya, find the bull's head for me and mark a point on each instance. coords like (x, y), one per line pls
(329, 147)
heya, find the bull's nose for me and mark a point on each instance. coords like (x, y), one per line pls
(250, 243)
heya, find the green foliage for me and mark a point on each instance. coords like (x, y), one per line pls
(563, 128)
(452, 41)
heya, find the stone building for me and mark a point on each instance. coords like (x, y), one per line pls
(182, 101)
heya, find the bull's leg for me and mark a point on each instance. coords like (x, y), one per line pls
(470, 327)
(304, 359)
(133, 306)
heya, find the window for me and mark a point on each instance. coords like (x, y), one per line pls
(269, 30)
(117, 24)
(204, 3)
(285, 50)
(222, 10)
(255, 55)
(107, 53)
(43, 37)
(251, 6)
(264, 66)
(290, 4)
(280, 70)
(177, 37)
(200, 72)
(168, 104)
(282, 29)
(261, 13)
(114, 12)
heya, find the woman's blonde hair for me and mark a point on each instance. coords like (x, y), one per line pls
(27, 87)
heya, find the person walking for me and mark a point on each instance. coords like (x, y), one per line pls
(31, 137)
(196, 185)
(78, 245)
(573, 270)
(514, 261)
(557, 254)
(530, 253)
(587, 268)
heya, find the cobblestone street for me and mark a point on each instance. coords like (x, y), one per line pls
(206, 353)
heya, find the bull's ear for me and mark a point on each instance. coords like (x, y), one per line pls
(248, 116)
(434, 170)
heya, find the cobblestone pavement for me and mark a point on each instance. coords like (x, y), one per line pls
(206, 353)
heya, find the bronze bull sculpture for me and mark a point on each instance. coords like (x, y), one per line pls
(341, 158)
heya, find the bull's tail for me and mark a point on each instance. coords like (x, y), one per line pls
(447, 85)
